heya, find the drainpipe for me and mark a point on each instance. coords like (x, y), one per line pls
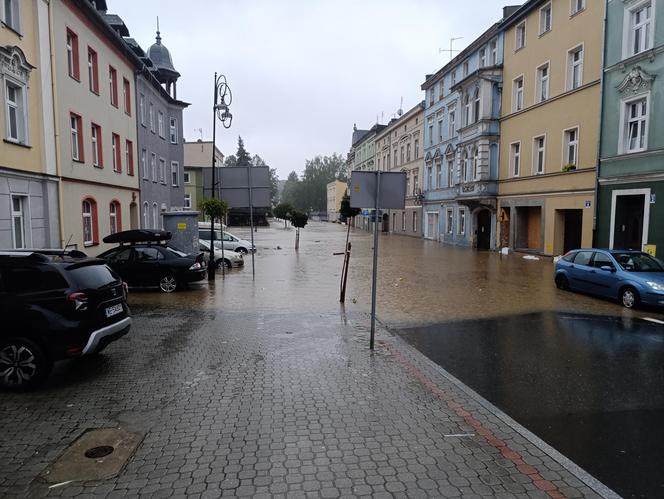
(601, 119)
(56, 125)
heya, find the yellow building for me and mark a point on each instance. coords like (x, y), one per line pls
(335, 193)
(28, 170)
(550, 125)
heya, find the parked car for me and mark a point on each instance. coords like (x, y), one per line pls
(144, 259)
(631, 277)
(230, 241)
(231, 258)
(55, 304)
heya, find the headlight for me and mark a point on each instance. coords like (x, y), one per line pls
(656, 286)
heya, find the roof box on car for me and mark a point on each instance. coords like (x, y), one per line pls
(138, 236)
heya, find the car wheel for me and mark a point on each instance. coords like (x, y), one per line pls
(562, 282)
(23, 364)
(227, 261)
(629, 297)
(168, 283)
(242, 250)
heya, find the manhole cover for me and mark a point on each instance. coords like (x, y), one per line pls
(99, 452)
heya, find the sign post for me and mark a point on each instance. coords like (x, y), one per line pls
(380, 190)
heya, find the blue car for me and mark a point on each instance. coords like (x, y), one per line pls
(631, 277)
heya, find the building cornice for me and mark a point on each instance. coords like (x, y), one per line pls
(634, 155)
(649, 55)
(578, 171)
(632, 179)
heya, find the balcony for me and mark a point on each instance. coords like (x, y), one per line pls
(477, 190)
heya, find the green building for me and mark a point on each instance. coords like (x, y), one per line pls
(630, 208)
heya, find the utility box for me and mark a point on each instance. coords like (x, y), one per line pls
(183, 225)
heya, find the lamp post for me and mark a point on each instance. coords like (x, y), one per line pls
(222, 100)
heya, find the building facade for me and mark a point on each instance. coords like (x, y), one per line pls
(29, 185)
(364, 156)
(197, 175)
(550, 125)
(630, 212)
(95, 125)
(398, 148)
(335, 193)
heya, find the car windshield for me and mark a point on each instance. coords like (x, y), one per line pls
(176, 252)
(638, 262)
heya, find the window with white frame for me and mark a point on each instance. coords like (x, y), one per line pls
(114, 216)
(571, 144)
(439, 175)
(539, 154)
(408, 152)
(153, 167)
(476, 105)
(144, 164)
(462, 222)
(520, 36)
(151, 116)
(450, 173)
(416, 183)
(482, 57)
(466, 110)
(451, 115)
(173, 130)
(162, 170)
(543, 82)
(441, 92)
(93, 71)
(575, 68)
(515, 158)
(546, 17)
(186, 178)
(417, 149)
(175, 173)
(160, 124)
(146, 217)
(577, 6)
(449, 222)
(403, 221)
(430, 176)
(493, 47)
(464, 166)
(89, 209)
(430, 139)
(19, 204)
(641, 35)
(95, 134)
(76, 137)
(11, 15)
(517, 96)
(187, 200)
(635, 120)
(16, 112)
(476, 162)
(115, 150)
(141, 108)
(155, 216)
(72, 54)
(453, 78)
(465, 68)
(440, 130)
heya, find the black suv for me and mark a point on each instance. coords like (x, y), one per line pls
(54, 305)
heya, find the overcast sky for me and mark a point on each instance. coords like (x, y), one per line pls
(303, 71)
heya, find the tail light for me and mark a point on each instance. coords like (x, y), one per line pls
(196, 266)
(125, 290)
(80, 301)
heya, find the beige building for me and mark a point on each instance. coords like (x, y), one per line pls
(96, 126)
(335, 193)
(28, 169)
(550, 125)
(398, 148)
(198, 171)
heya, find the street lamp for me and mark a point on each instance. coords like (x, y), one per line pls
(220, 111)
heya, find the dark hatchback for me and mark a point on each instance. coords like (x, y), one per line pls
(144, 259)
(55, 305)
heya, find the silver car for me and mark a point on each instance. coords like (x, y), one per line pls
(231, 242)
(231, 258)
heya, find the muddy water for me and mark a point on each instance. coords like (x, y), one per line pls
(419, 281)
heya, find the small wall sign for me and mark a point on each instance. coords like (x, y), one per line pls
(589, 204)
(182, 226)
(653, 198)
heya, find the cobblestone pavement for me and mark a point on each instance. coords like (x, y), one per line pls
(262, 403)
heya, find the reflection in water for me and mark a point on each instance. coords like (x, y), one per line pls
(590, 386)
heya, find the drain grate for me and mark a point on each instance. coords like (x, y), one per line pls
(99, 452)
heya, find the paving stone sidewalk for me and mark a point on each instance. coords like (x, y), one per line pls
(275, 405)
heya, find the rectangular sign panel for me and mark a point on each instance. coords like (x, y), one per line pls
(392, 190)
(234, 186)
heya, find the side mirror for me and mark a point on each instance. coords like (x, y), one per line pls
(608, 268)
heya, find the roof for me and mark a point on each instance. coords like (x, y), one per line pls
(161, 58)
(116, 22)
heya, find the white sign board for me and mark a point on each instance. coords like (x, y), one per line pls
(392, 190)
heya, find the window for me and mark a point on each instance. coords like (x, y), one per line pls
(518, 94)
(155, 216)
(430, 176)
(539, 153)
(417, 148)
(402, 155)
(93, 71)
(453, 78)
(462, 222)
(439, 176)
(76, 123)
(129, 157)
(186, 178)
(173, 130)
(115, 215)
(542, 83)
(493, 46)
(575, 68)
(449, 222)
(162, 170)
(520, 36)
(476, 105)
(18, 221)
(160, 124)
(117, 156)
(113, 85)
(151, 117)
(153, 167)
(450, 173)
(126, 95)
(175, 173)
(482, 57)
(97, 151)
(90, 229)
(416, 183)
(16, 113)
(577, 6)
(476, 161)
(545, 18)
(635, 128)
(187, 200)
(144, 164)
(452, 122)
(431, 96)
(441, 92)
(466, 110)
(141, 108)
(72, 55)
(403, 221)
(571, 146)
(515, 158)
(640, 28)
(440, 130)
(146, 217)
(408, 151)
(431, 134)
(12, 17)
(414, 221)
(465, 68)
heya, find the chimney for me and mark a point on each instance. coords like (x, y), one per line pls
(508, 10)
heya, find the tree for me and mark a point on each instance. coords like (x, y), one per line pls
(230, 161)
(257, 161)
(272, 174)
(310, 193)
(243, 157)
(299, 220)
(289, 194)
(283, 211)
(215, 209)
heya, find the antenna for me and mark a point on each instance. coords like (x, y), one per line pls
(400, 110)
(451, 50)
(64, 250)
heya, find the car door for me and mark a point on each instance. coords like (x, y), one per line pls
(580, 272)
(146, 265)
(604, 281)
(120, 261)
(230, 242)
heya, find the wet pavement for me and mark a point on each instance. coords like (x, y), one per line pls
(265, 387)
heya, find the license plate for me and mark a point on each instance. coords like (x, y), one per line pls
(114, 310)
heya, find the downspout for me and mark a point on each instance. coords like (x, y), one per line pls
(56, 126)
(601, 120)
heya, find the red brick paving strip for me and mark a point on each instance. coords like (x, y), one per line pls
(530, 471)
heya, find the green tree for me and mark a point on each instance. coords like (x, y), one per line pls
(283, 211)
(230, 161)
(289, 194)
(243, 157)
(299, 220)
(310, 193)
(214, 209)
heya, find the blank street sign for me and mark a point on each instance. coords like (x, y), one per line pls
(234, 186)
(392, 190)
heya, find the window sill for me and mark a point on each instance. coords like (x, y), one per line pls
(544, 33)
(16, 143)
(128, 113)
(12, 29)
(519, 48)
(81, 161)
(114, 105)
(96, 92)
(100, 167)
(77, 79)
(574, 14)
(89, 245)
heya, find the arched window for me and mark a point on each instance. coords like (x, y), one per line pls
(146, 216)
(476, 111)
(464, 166)
(155, 216)
(90, 227)
(115, 214)
(466, 109)
(476, 159)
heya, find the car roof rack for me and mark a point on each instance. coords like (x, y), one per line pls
(138, 236)
(73, 253)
